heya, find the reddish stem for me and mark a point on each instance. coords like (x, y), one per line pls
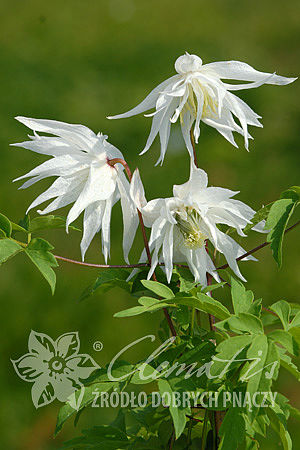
(112, 162)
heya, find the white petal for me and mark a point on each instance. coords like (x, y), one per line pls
(100, 185)
(105, 228)
(130, 216)
(237, 70)
(59, 166)
(198, 180)
(77, 134)
(48, 146)
(149, 102)
(60, 187)
(137, 192)
(231, 250)
(167, 251)
(92, 220)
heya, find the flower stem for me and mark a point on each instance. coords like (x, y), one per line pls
(132, 266)
(112, 162)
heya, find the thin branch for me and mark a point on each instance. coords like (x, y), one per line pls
(112, 162)
(259, 247)
(141, 265)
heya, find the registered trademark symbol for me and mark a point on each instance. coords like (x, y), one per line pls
(97, 346)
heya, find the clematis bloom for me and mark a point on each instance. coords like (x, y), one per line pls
(197, 93)
(182, 225)
(80, 160)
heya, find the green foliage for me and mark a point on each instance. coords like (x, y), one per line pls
(39, 252)
(48, 222)
(278, 218)
(108, 280)
(8, 249)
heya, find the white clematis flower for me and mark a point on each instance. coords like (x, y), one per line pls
(181, 225)
(197, 94)
(80, 161)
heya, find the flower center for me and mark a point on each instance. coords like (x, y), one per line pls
(57, 364)
(209, 108)
(189, 225)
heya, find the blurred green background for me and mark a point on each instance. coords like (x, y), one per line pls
(79, 61)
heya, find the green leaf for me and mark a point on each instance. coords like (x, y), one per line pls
(232, 430)
(5, 225)
(278, 422)
(232, 349)
(178, 413)
(87, 396)
(137, 310)
(260, 215)
(25, 222)
(8, 249)
(48, 222)
(108, 279)
(277, 221)
(287, 363)
(293, 192)
(186, 279)
(158, 288)
(241, 299)
(16, 227)
(263, 367)
(296, 321)
(144, 374)
(203, 303)
(286, 340)
(38, 251)
(242, 323)
(283, 311)
(212, 287)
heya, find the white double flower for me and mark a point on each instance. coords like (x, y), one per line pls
(182, 225)
(197, 93)
(80, 160)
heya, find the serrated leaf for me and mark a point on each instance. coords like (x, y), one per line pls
(99, 437)
(5, 225)
(108, 279)
(277, 221)
(178, 414)
(38, 251)
(296, 321)
(48, 222)
(8, 249)
(287, 363)
(241, 299)
(158, 288)
(242, 323)
(286, 340)
(232, 349)
(283, 311)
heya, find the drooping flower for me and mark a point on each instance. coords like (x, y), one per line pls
(85, 178)
(197, 93)
(182, 225)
